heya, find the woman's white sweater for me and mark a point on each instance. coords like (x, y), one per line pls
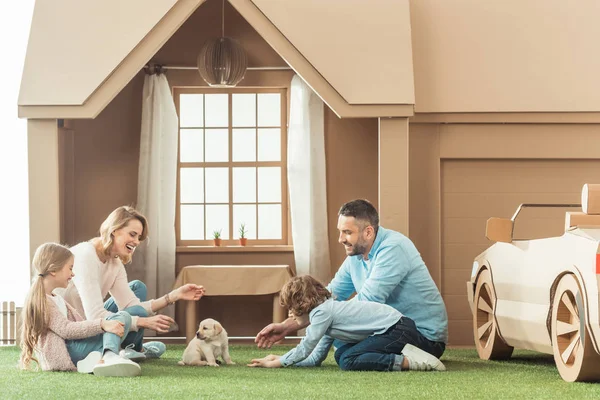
(94, 279)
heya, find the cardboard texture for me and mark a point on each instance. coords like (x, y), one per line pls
(581, 219)
(499, 229)
(590, 198)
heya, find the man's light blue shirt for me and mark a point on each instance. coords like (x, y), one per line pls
(395, 275)
(351, 321)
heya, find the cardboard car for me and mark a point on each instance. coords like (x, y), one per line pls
(542, 294)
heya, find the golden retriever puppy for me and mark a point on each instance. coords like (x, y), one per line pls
(210, 342)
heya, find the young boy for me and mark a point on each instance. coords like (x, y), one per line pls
(377, 331)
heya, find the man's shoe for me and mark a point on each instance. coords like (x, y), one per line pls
(117, 366)
(131, 354)
(154, 349)
(86, 366)
(419, 360)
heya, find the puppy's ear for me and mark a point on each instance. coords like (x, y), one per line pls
(218, 328)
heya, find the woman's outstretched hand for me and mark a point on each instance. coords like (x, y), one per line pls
(159, 323)
(189, 291)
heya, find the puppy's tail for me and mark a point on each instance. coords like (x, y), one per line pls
(180, 362)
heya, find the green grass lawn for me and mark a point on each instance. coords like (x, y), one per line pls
(527, 375)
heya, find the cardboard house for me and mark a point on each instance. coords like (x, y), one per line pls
(441, 112)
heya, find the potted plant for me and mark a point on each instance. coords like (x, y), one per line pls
(217, 237)
(243, 233)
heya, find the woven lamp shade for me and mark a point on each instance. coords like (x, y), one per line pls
(222, 62)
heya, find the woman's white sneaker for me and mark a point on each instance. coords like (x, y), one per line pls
(419, 360)
(117, 366)
(86, 366)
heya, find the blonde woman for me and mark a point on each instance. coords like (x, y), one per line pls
(99, 270)
(58, 334)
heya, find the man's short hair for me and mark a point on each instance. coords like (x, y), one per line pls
(363, 211)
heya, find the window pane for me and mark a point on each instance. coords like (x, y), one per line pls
(269, 144)
(269, 221)
(269, 184)
(217, 145)
(217, 185)
(244, 214)
(244, 185)
(244, 109)
(192, 222)
(191, 185)
(190, 110)
(216, 110)
(244, 145)
(191, 145)
(269, 109)
(217, 219)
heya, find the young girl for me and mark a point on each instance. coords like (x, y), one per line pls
(58, 334)
(375, 331)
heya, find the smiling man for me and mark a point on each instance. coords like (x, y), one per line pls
(383, 266)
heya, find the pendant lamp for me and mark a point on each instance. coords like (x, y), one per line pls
(222, 62)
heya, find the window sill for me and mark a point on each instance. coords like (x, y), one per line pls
(236, 249)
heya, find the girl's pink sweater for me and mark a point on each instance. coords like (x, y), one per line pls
(52, 350)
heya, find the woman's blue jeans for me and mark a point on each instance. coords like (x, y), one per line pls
(378, 352)
(79, 349)
(141, 292)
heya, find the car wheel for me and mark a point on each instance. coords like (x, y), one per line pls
(574, 354)
(489, 343)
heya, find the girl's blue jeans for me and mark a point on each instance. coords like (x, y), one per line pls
(79, 349)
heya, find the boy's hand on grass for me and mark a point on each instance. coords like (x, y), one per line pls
(113, 326)
(270, 361)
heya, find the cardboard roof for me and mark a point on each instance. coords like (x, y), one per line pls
(364, 51)
(81, 54)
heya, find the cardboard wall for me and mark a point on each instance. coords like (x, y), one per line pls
(351, 152)
(461, 174)
(106, 149)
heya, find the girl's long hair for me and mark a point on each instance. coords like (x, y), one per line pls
(49, 257)
(117, 219)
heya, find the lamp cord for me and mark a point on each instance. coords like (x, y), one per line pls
(223, 19)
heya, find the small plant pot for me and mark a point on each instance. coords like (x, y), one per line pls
(243, 241)
(217, 242)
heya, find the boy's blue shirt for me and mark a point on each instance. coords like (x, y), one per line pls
(395, 275)
(350, 321)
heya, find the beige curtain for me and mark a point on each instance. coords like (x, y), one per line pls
(307, 183)
(154, 260)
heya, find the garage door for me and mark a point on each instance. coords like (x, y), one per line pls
(474, 190)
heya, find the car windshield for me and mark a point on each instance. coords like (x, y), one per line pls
(593, 233)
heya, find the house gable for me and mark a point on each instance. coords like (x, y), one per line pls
(81, 87)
